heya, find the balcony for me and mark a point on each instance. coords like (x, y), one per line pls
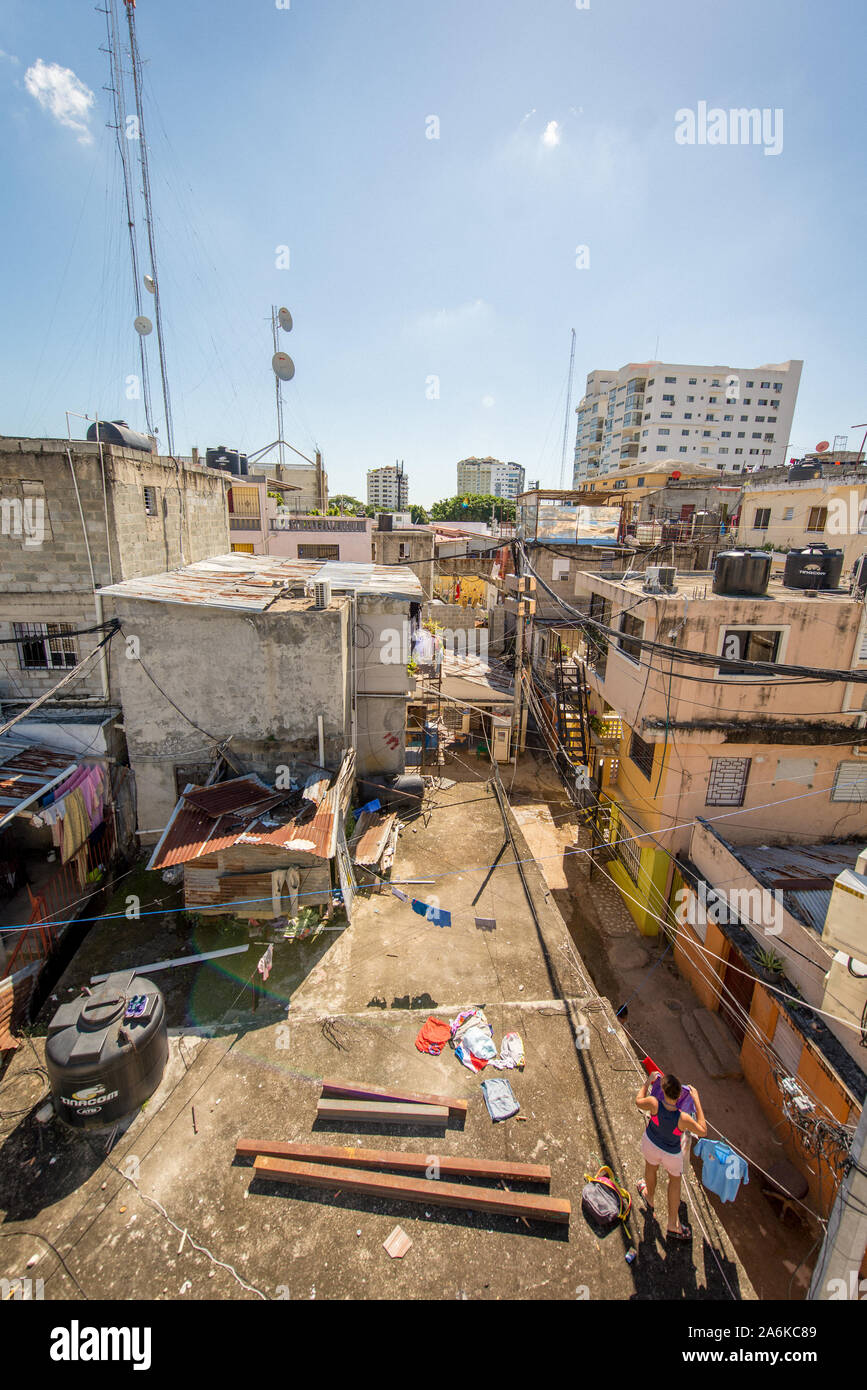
(245, 523)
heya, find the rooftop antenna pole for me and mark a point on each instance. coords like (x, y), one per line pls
(146, 194)
(278, 385)
(568, 413)
(119, 108)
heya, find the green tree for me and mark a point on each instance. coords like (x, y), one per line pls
(343, 502)
(473, 507)
(419, 515)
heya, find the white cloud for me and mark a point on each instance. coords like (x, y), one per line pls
(10, 57)
(551, 134)
(474, 312)
(63, 96)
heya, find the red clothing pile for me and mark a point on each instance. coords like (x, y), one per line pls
(433, 1036)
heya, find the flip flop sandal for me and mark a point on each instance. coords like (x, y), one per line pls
(683, 1235)
(641, 1189)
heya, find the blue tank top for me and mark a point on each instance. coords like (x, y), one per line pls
(662, 1129)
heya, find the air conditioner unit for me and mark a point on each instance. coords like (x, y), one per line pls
(660, 579)
(321, 593)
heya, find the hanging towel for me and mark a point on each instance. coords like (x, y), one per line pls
(76, 825)
(398, 894)
(437, 915)
(433, 1036)
(499, 1098)
(723, 1170)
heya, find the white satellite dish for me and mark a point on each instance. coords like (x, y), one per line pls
(283, 366)
(143, 326)
(149, 284)
(284, 318)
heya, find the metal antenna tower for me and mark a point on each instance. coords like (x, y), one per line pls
(277, 382)
(119, 108)
(146, 194)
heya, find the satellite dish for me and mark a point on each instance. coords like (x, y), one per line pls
(149, 284)
(284, 318)
(143, 326)
(822, 446)
(283, 366)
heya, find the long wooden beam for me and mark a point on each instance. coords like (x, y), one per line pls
(357, 1090)
(382, 1112)
(446, 1165)
(536, 1207)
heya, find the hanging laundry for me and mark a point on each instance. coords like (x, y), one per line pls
(499, 1098)
(486, 923)
(433, 1036)
(511, 1053)
(437, 915)
(76, 825)
(684, 1101)
(723, 1170)
(265, 963)
(398, 894)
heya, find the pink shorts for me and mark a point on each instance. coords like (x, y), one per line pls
(672, 1163)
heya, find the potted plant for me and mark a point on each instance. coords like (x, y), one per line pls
(770, 966)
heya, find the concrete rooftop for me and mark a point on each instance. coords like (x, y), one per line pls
(350, 1005)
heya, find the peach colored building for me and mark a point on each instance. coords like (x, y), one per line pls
(261, 522)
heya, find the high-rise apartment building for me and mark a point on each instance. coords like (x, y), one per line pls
(490, 478)
(734, 419)
(388, 487)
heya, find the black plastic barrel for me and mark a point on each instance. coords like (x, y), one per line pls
(103, 1063)
(813, 567)
(742, 572)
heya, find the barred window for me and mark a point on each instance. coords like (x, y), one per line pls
(45, 646)
(630, 627)
(641, 754)
(319, 552)
(629, 854)
(727, 783)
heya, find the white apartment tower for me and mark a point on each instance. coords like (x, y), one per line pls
(490, 478)
(388, 487)
(735, 419)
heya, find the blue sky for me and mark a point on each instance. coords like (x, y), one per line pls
(415, 258)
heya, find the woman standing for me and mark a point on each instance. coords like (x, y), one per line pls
(668, 1120)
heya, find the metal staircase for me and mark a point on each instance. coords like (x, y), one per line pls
(573, 715)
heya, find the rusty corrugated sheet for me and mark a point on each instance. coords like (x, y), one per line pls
(240, 794)
(371, 837)
(27, 771)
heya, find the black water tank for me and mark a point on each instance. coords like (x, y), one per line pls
(805, 468)
(742, 572)
(118, 432)
(403, 793)
(384, 521)
(813, 567)
(227, 460)
(103, 1063)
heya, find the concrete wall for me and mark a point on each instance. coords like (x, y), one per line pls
(260, 678)
(419, 546)
(383, 684)
(45, 576)
(845, 527)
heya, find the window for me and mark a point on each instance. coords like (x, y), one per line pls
(756, 434)
(726, 434)
(669, 400)
(660, 448)
(664, 431)
(690, 400)
(751, 383)
(778, 386)
(706, 434)
(630, 627)
(665, 415)
(747, 401)
(322, 552)
(45, 646)
(817, 518)
(641, 752)
(728, 417)
(150, 501)
(788, 514)
(682, 449)
(560, 568)
(687, 415)
(749, 644)
(762, 518)
(766, 386)
(764, 402)
(693, 381)
(727, 781)
(850, 782)
(629, 854)
(723, 450)
(670, 380)
(760, 419)
(684, 432)
(403, 550)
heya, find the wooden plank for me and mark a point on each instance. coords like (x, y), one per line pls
(534, 1206)
(376, 1111)
(448, 1166)
(357, 1090)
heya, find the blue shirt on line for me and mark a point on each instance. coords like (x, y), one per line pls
(723, 1170)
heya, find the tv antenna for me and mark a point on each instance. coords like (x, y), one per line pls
(281, 364)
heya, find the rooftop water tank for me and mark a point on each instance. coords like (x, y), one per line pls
(105, 1052)
(118, 432)
(227, 460)
(813, 567)
(742, 572)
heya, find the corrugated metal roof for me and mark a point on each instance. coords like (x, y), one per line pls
(27, 772)
(254, 582)
(773, 865)
(371, 836)
(209, 819)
